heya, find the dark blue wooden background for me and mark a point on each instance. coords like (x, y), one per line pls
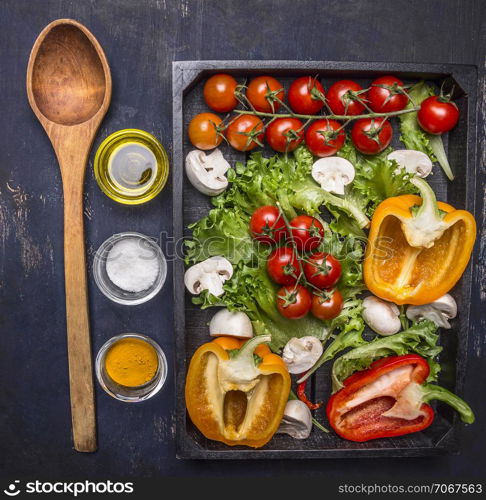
(141, 38)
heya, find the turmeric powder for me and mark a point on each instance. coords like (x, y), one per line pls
(131, 362)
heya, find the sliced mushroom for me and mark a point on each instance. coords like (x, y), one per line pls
(206, 172)
(233, 324)
(296, 421)
(381, 316)
(414, 162)
(210, 275)
(333, 173)
(440, 311)
(301, 354)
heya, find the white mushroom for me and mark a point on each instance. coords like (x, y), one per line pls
(439, 311)
(234, 324)
(414, 162)
(210, 275)
(296, 421)
(301, 354)
(381, 316)
(207, 172)
(333, 173)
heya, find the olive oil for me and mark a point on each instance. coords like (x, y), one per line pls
(131, 166)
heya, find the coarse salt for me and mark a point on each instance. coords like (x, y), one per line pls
(132, 266)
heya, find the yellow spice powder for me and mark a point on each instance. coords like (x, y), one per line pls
(131, 362)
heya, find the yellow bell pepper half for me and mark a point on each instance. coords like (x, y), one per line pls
(231, 399)
(418, 248)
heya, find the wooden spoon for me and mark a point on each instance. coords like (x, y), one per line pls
(69, 90)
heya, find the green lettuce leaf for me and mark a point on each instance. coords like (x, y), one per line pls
(412, 134)
(420, 338)
(350, 252)
(221, 232)
(264, 181)
(224, 231)
(348, 210)
(377, 178)
(415, 138)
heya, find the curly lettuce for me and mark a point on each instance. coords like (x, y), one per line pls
(421, 338)
(414, 137)
(225, 231)
(411, 134)
(221, 232)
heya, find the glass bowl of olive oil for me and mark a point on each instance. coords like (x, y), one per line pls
(131, 166)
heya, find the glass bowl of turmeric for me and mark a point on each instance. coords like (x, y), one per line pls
(131, 367)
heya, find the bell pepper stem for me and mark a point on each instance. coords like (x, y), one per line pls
(426, 224)
(429, 201)
(246, 352)
(431, 391)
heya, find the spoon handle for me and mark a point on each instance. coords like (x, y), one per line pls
(77, 312)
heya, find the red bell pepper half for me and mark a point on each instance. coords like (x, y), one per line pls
(389, 399)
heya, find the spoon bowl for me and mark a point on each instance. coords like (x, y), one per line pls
(68, 78)
(69, 90)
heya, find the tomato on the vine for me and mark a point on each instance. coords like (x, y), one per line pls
(371, 135)
(219, 93)
(264, 93)
(327, 306)
(346, 97)
(284, 134)
(204, 131)
(325, 137)
(267, 225)
(438, 115)
(282, 266)
(245, 132)
(306, 95)
(387, 94)
(322, 270)
(294, 302)
(307, 232)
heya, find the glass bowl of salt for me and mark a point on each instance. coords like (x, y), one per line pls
(129, 268)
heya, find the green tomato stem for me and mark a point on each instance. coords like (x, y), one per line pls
(329, 117)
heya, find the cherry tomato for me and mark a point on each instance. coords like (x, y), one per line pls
(263, 93)
(294, 302)
(327, 308)
(303, 95)
(437, 115)
(245, 132)
(322, 270)
(307, 232)
(203, 131)
(371, 135)
(267, 225)
(386, 95)
(344, 98)
(324, 138)
(282, 266)
(219, 93)
(285, 134)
